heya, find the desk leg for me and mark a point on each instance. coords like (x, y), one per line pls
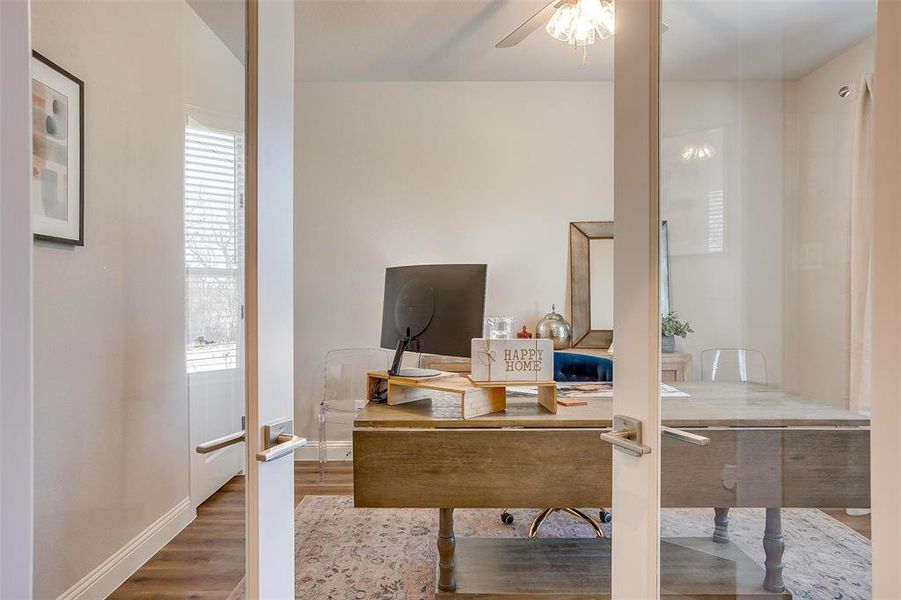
(721, 525)
(446, 545)
(773, 546)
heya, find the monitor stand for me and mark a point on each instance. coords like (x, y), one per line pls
(417, 372)
(397, 371)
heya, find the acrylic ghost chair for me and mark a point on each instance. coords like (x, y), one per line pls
(344, 390)
(733, 365)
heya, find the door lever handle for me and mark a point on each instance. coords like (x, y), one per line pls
(279, 441)
(221, 442)
(685, 436)
(287, 444)
(626, 436)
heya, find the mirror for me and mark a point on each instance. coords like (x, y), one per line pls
(664, 268)
(600, 283)
(591, 283)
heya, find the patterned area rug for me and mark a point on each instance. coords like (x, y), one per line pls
(344, 552)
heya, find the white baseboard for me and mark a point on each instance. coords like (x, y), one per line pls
(336, 450)
(111, 573)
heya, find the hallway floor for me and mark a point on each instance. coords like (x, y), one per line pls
(206, 560)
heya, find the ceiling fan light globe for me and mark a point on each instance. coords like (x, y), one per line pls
(583, 34)
(590, 9)
(701, 151)
(706, 151)
(606, 22)
(561, 23)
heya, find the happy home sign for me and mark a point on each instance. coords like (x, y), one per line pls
(512, 360)
(523, 360)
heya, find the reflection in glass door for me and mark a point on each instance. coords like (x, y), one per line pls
(765, 160)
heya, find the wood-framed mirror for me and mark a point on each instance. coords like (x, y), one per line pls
(591, 283)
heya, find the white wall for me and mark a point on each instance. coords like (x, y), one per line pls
(405, 173)
(16, 398)
(818, 139)
(396, 173)
(733, 297)
(110, 384)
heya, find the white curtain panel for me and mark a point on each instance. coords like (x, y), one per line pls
(861, 244)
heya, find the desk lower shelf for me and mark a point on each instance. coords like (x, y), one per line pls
(580, 569)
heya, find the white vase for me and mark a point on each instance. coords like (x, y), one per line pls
(668, 343)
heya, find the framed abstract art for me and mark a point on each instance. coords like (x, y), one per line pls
(57, 171)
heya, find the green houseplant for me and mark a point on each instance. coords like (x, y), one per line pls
(670, 327)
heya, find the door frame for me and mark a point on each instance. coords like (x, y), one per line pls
(16, 354)
(885, 445)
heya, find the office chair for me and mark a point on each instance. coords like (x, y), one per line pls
(572, 367)
(733, 365)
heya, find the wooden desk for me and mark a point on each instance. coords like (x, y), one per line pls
(768, 449)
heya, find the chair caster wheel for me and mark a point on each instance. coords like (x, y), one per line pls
(604, 516)
(506, 518)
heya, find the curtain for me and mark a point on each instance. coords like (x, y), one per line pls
(862, 201)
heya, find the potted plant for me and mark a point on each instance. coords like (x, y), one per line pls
(670, 327)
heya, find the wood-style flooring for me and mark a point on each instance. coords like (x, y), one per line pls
(206, 560)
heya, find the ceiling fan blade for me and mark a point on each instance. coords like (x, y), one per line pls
(536, 21)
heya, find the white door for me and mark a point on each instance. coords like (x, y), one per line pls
(216, 404)
(270, 301)
(214, 290)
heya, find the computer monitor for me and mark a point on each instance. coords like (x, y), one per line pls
(436, 309)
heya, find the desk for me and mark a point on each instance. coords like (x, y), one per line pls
(768, 449)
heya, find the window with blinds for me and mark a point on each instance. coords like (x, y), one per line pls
(716, 221)
(214, 247)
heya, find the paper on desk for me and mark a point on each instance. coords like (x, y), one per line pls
(668, 391)
(593, 390)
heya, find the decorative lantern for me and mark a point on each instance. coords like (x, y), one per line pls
(554, 327)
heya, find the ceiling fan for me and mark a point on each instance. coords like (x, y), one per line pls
(577, 22)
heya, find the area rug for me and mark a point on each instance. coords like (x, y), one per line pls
(344, 552)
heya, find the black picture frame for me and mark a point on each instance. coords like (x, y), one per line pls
(80, 84)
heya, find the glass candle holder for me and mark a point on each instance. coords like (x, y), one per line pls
(499, 328)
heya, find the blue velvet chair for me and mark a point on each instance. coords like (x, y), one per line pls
(574, 367)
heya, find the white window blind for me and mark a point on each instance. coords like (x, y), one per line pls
(715, 221)
(214, 246)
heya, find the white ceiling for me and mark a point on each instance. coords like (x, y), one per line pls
(226, 19)
(448, 40)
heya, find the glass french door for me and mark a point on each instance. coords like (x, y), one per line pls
(743, 290)
(766, 162)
